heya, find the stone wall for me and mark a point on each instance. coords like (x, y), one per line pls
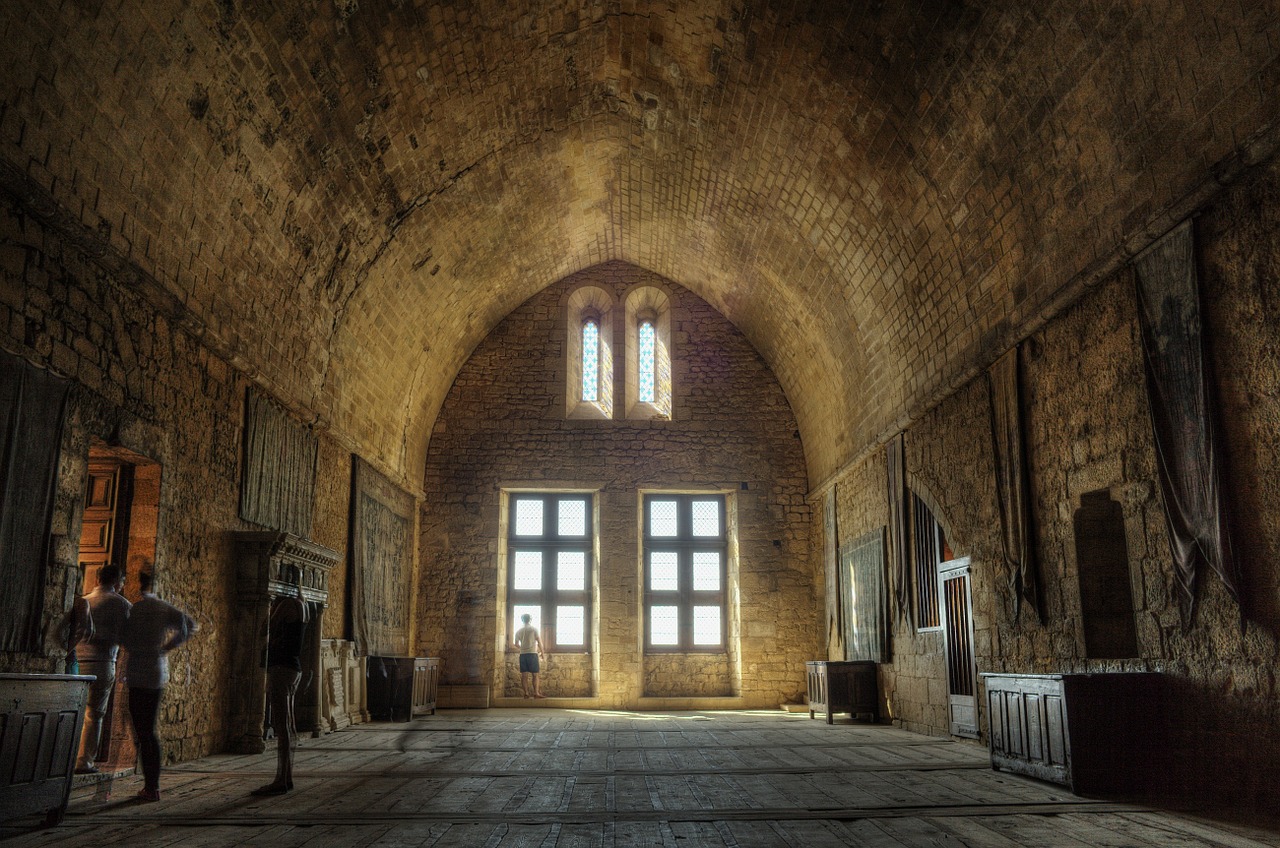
(1088, 430)
(145, 388)
(504, 425)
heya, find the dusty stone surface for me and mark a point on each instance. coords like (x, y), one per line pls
(877, 195)
(504, 425)
(1088, 430)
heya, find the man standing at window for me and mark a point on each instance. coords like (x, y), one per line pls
(104, 615)
(529, 643)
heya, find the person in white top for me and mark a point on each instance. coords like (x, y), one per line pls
(154, 629)
(529, 643)
(103, 614)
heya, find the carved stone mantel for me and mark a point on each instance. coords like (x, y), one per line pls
(264, 561)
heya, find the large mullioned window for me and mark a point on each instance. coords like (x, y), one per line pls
(549, 549)
(684, 573)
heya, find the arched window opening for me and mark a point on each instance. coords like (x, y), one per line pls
(648, 392)
(648, 336)
(590, 360)
(588, 335)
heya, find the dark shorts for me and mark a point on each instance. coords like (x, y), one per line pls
(529, 663)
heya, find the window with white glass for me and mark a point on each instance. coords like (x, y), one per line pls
(589, 383)
(684, 573)
(549, 550)
(648, 351)
(591, 360)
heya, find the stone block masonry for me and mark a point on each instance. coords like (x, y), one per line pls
(145, 385)
(503, 425)
(1088, 430)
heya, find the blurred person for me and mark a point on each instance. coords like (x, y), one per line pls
(99, 622)
(154, 628)
(286, 634)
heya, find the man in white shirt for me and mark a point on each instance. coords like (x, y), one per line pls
(104, 614)
(529, 643)
(154, 629)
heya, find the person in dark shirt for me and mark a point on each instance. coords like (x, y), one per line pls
(286, 632)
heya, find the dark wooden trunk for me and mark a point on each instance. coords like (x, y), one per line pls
(39, 737)
(843, 687)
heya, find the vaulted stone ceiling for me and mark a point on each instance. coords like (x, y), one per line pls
(345, 197)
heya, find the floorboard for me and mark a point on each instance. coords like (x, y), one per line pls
(571, 779)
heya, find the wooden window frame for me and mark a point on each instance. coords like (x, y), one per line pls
(684, 597)
(550, 543)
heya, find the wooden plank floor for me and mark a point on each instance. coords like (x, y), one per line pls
(558, 778)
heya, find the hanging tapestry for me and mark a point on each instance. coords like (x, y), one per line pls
(866, 601)
(1012, 488)
(381, 563)
(835, 630)
(899, 560)
(1181, 414)
(278, 487)
(32, 410)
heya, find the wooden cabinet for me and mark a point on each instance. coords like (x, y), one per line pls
(39, 739)
(844, 687)
(399, 688)
(1095, 733)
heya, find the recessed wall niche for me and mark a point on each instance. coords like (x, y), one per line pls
(1102, 565)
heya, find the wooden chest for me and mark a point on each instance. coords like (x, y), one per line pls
(844, 687)
(39, 739)
(1094, 733)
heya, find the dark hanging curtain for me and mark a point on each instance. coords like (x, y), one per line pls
(899, 560)
(835, 612)
(32, 410)
(1012, 489)
(1178, 395)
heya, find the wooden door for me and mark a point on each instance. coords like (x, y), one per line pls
(98, 526)
(104, 538)
(957, 627)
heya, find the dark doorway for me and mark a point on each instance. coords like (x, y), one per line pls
(119, 525)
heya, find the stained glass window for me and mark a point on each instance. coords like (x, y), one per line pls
(647, 362)
(590, 360)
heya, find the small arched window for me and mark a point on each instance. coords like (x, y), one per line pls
(590, 360)
(588, 335)
(646, 382)
(648, 348)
